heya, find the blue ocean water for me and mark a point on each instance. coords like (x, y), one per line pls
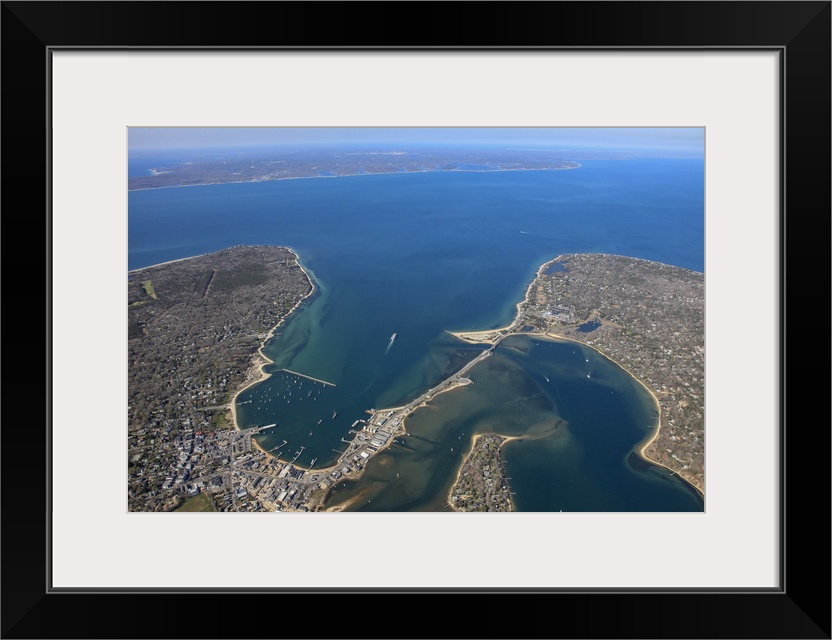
(413, 254)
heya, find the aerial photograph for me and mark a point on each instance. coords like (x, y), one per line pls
(416, 319)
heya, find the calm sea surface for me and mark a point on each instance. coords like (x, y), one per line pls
(419, 254)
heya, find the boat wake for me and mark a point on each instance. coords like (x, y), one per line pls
(378, 367)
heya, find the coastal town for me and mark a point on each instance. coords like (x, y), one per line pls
(186, 453)
(195, 327)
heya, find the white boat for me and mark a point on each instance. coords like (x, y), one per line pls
(393, 337)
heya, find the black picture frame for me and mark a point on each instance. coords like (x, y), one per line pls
(799, 31)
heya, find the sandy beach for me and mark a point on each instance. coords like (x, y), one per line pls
(490, 336)
(340, 175)
(164, 263)
(643, 448)
(260, 359)
(481, 337)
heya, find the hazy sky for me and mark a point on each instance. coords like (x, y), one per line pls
(665, 139)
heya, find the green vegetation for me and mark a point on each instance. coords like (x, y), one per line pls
(481, 485)
(147, 285)
(243, 275)
(199, 503)
(219, 421)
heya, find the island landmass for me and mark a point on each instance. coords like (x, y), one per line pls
(481, 484)
(287, 163)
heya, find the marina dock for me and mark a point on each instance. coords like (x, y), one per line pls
(303, 375)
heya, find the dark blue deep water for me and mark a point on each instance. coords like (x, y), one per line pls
(421, 253)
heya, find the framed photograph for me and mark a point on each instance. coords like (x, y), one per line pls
(93, 90)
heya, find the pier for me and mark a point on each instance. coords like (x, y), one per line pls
(256, 430)
(303, 375)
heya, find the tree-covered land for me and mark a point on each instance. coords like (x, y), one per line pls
(194, 330)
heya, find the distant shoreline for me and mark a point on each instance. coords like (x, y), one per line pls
(346, 175)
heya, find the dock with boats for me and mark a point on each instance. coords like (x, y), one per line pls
(303, 375)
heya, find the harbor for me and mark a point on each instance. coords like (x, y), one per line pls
(303, 375)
